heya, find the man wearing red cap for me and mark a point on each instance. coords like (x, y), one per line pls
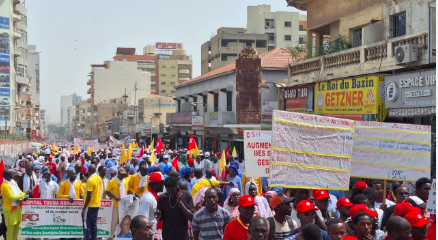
(344, 205)
(238, 229)
(365, 223)
(306, 212)
(419, 225)
(281, 224)
(148, 202)
(322, 203)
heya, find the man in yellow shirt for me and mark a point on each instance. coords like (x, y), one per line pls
(70, 188)
(12, 195)
(92, 197)
(138, 183)
(116, 190)
(205, 183)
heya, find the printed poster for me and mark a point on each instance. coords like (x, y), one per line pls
(59, 218)
(257, 149)
(128, 209)
(310, 151)
(85, 144)
(5, 69)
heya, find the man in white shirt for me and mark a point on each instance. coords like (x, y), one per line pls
(148, 202)
(47, 187)
(378, 186)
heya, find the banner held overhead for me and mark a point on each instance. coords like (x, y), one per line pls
(257, 149)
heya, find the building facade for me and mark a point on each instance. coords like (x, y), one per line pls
(67, 104)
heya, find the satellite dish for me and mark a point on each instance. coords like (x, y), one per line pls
(399, 54)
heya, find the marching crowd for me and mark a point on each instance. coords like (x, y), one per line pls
(190, 197)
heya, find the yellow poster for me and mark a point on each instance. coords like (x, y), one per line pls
(361, 95)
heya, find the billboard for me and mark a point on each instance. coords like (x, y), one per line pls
(299, 99)
(267, 108)
(5, 66)
(197, 123)
(164, 45)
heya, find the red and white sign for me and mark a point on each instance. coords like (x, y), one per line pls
(163, 45)
(257, 149)
(197, 123)
(267, 108)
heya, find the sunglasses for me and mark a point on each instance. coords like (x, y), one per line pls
(308, 214)
(403, 193)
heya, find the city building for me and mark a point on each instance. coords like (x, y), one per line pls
(34, 78)
(79, 126)
(284, 29)
(224, 102)
(68, 103)
(168, 64)
(44, 122)
(224, 48)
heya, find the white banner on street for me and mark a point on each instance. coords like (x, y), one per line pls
(257, 149)
(431, 202)
(118, 143)
(84, 144)
(197, 123)
(310, 151)
(128, 209)
(59, 218)
(267, 108)
(135, 152)
(147, 128)
(391, 151)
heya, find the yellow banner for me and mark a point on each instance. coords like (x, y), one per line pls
(361, 95)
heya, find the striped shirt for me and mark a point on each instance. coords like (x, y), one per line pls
(210, 227)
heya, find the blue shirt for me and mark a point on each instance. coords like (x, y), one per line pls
(108, 164)
(132, 169)
(165, 167)
(192, 183)
(324, 235)
(237, 184)
(87, 164)
(337, 193)
(190, 186)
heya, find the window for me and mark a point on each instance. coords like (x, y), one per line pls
(173, 66)
(173, 75)
(271, 37)
(204, 99)
(163, 83)
(261, 44)
(397, 24)
(301, 28)
(150, 70)
(302, 40)
(178, 102)
(172, 91)
(216, 102)
(270, 48)
(163, 74)
(357, 37)
(287, 38)
(163, 91)
(172, 83)
(269, 24)
(163, 66)
(21, 70)
(229, 101)
(288, 24)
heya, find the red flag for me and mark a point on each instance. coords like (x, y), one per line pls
(192, 143)
(227, 153)
(36, 192)
(2, 168)
(159, 146)
(141, 152)
(175, 164)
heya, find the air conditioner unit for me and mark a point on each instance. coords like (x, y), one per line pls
(407, 53)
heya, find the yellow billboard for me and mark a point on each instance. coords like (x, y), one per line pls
(359, 95)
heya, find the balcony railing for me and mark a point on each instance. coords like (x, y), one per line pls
(90, 100)
(91, 90)
(91, 81)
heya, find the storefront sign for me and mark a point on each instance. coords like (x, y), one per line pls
(410, 90)
(214, 116)
(197, 123)
(391, 151)
(299, 99)
(257, 149)
(267, 108)
(147, 128)
(59, 218)
(361, 95)
(305, 146)
(124, 129)
(179, 118)
(5, 68)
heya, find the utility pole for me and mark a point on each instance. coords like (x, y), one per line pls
(135, 102)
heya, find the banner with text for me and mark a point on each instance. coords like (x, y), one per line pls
(310, 151)
(197, 123)
(257, 149)
(128, 209)
(135, 151)
(391, 151)
(431, 202)
(118, 143)
(59, 218)
(84, 144)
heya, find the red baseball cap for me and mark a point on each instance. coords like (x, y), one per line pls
(403, 208)
(416, 219)
(349, 238)
(156, 177)
(246, 200)
(361, 208)
(305, 206)
(190, 161)
(344, 202)
(320, 194)
(360, 185)
(277, 200)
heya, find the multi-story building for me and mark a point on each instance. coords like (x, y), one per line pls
(224, 48)
(68, 103)
(44, 121)
(168, 64)
(284, 29)
(80, 119)
(34, 78)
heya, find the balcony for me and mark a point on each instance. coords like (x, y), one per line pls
(16, 17)
(16, 1)
(21, 26)
(90, 91)
(17, 35)
(22, 80)
(183, 71)
(218, 119)
(20, 9)
(91, 81)
(26, 111)
(183, 78)
(17, 51)
(26, 98)
(90, 100)
(367, 59)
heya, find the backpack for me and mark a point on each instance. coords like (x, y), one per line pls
(272, 226)
(220, 193)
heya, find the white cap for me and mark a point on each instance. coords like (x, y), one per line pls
(144, 155)
(207, 154)
(166, 156)
(28, 156)
(41, 158)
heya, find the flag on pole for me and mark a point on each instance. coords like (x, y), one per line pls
(2, 168)
(92, 149)
(69, 148)
(76, 149)
(175, 164)
(129, 156)
(159, 145)
(89, 151)
(222, 164)
(136, 145)
(234, 152)
(227, 153)
(122, 154)
(151, 147)
(153, 156)
(193, 148)
(141, 153)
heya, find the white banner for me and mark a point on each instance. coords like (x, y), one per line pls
(128, 209)
(84, 144)
(135, 152)
(431, 202)
(257, 149)
(197, 123)
(118, 143)
(59, 218)
(310, 151)
(391, 151)
(147, 128)
(267, 108)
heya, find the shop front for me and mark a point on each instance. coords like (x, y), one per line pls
(299, 99)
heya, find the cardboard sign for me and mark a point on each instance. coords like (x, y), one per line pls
(59, 218)
(257, 149)
(431, 202)
(310, 151)
(128, 209)
(391, 151)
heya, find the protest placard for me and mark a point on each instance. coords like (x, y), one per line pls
(85, 144)
(128, 209)
(309, 151)
(431, 202)
(118, 143)
(59, 218)
(257, 149)
(391, 151)
(135, 152)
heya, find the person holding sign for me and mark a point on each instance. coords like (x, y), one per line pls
(138, 182)
(116, 190)
(70, 188)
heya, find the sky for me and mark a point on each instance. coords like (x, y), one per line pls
(72, 35)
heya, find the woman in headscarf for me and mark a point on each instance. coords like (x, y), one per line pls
(231, 203)
(262, 208)
(268, 196)
(232, 177)
(187, 174)
(198, 199)
(183, 161)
